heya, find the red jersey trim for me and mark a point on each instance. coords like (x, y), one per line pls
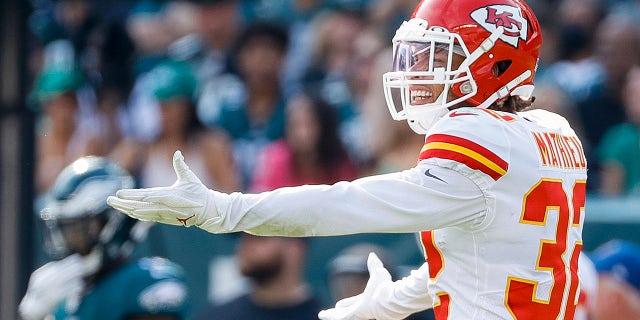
(465, 151)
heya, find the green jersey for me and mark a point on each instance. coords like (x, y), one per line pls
(143, 287)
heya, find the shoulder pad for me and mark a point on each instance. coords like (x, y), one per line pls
(471, 141)
(164, 296)
(160, 287)
(160, 268)
(548, 119)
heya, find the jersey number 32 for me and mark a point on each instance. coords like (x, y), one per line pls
(549, 195)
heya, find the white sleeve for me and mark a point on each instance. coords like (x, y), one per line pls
(407, 201)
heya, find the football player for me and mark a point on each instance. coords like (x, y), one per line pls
(93, 277)
(497, 195)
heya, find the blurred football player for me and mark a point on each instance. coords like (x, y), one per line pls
(93, 277)
(497, 195)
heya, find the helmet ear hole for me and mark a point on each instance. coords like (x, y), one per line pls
(501, 67)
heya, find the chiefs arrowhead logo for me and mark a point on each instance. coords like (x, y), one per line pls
(509, 17)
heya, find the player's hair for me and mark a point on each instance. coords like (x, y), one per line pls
(513, 104)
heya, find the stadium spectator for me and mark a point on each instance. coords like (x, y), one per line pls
(311, 151)
(182, 18)
(617, 48)
(619, 152)
(576, 71)
(302, 32)
(113, 122)
(253, 115)
(218, 24)
(275, 266)
(388, 15)
(367, 45)
(146, 27)
(68, 125)
(93, 275)
(174, 85)
(331, 62)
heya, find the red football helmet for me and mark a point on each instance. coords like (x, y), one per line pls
(458, 44)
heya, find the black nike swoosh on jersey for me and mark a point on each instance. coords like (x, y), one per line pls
(430, 175)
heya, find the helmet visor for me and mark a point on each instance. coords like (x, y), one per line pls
(430, 74)
(413, 56)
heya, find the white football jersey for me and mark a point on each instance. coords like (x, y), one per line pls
(500, 195)
(521, 261)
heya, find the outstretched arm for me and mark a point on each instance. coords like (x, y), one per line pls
(408, 201)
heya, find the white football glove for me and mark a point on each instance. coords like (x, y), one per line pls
(50, 284)
(187, 202)
(360, 307)
(383, 299)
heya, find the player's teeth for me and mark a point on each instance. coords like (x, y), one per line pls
(420, 94)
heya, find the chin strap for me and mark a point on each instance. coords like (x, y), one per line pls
(505, 90)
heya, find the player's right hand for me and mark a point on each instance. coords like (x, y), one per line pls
(187, 202)
(50, 284)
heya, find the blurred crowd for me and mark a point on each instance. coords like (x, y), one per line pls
(242, 86)
(256, 94)
(261, 94)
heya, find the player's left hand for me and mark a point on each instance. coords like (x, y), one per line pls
(361, 307)
(186, 202)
